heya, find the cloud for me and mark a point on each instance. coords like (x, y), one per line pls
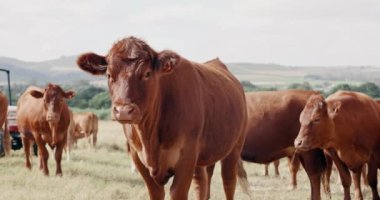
(320, 32)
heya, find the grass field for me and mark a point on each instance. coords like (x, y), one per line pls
(104, 174)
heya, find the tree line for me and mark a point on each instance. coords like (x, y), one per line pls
(95, 98)
(369, 88)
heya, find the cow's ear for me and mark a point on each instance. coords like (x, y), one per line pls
(36, 94)
(334, 108)
(69, 94)
(92, 63)
(166, 61)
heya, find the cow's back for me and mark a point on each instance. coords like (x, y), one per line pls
(357, 117)
(85, 121)
(224, 108)
(29, 110)
(273, 123)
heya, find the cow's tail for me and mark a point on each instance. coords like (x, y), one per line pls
(243, 179)
(326, 174)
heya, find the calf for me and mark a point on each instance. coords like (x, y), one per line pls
(272, 127)
(346, 125)
(86, 126)
(43, 117)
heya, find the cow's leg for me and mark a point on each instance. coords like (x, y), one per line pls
(294, 165)
(94, 138)
(327, 175)
(229, 173)
(356, 173)
(200, 181)
(314, 165)
(89, 143)
(156, 192)
(372, 178)
(183, 175)
(58, 158)
(344, 173)
(266, 173)
(42, 153)
(69, 147)
(210, 172)
(26, 144)
(276, 164)
(364, 174)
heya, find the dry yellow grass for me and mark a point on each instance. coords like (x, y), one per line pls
(104, 174)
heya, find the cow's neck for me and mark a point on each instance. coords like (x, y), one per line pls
(156, 121)
(147, 132)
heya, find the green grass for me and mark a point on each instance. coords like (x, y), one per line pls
(104, 174)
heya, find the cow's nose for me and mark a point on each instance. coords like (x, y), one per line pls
(52, 117)
(125, 112)
(120, 109)
(297, 143)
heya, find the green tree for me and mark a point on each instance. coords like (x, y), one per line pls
(84, 95)
(300, 86)
(248, 86)
(343, 86)
(100, 101)
(370, 89)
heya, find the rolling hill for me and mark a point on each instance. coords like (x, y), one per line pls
(63, 70)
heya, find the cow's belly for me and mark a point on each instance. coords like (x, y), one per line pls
(352, 158)
(216, 149)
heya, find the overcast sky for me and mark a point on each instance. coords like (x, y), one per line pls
(290, 32)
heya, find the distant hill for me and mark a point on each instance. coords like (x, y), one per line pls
(63, 70)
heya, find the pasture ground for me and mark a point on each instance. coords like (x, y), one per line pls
(104, 174)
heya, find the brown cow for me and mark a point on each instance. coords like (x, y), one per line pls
(43, 116)
(86, 125)
(272, 126)
(182, 116)
(3, 123)
(347, 125)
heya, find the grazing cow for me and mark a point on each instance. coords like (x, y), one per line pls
(43, 117)
(3, 123)
(180, 116)
(272, 126)
(346, 124)
(86, 125)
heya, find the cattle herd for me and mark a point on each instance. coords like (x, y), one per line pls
(181, 117)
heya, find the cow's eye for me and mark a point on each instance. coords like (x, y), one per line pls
(316, 121)
(147, 74)
(109, 77)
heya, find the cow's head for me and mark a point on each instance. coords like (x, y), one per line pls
(53, 97)
(133, 70)
(316, 125)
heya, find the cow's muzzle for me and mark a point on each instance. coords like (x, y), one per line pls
(129, 113)
(52, 117)
(302, 145)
